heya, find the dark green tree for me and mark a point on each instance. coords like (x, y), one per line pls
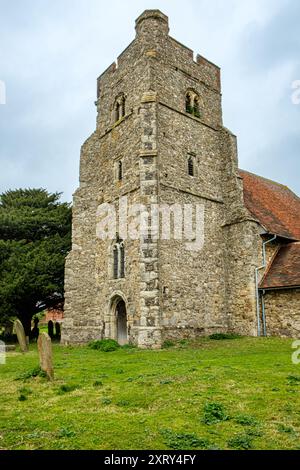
(35, 237)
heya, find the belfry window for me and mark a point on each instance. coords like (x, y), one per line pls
(117, 112)
(188, 103)
(196, 108)
(119, 259)
(119, 108)
(192, 104)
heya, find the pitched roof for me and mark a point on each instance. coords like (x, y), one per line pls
(274, 205)
(284, 270)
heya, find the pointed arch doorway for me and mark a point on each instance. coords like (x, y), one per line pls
(121, 322)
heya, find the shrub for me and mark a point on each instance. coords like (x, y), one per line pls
(105, 345)
(168, 344)
(214, 413)
(221, 336)
(241, 442)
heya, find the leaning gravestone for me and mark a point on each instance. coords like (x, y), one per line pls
(45, 352)
(21, 336)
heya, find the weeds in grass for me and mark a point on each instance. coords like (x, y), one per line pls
(285, 429)
(214, 413)
(67, 388)
(32, 373)
(22, 397)
(129, 346)
(246, 420)
(221, 336)
(106, 401)
(183, 441)
(166, 382)
(66, 432)
(123, 403)
(241, 442)
(293, 379)
(254, 432)
(105, 345)
(97, 383)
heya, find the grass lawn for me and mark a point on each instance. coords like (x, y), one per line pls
(231, 394)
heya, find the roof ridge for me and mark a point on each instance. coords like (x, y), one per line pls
(267, 179)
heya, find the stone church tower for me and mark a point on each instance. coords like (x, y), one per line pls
(160, 140)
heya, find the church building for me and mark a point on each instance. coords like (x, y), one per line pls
(160, 143)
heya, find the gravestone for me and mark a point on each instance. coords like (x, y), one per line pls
(57, 331)
(21, 336)
(50, 329)
(45, 353)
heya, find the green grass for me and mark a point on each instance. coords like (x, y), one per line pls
(241, 394)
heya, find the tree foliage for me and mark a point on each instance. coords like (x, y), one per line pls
(35, 237)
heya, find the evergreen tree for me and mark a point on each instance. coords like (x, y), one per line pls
(35, 237)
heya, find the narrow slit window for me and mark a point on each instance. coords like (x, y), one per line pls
(116, 262)
(122, 261)
(191, 169)
(119, 260)
(123, 107)
(117, 112)
(120, 170)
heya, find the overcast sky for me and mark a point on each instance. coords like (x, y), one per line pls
(52, 51)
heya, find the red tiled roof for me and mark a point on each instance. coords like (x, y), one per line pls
(284, 270)
(274, 205)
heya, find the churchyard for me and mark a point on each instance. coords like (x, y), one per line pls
(241, 393)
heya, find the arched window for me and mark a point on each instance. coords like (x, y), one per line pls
(192, 104)
(188, 103)
(123, 107)
(196, 107)
(117, 112)
(119, 259)
(191, 166)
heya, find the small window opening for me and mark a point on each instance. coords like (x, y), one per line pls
(191, 170)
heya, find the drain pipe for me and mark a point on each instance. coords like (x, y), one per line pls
(257, 290)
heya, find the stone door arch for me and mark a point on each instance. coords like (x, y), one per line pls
(119, 319)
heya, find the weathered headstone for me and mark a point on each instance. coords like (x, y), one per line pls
(50, 328)
(21, 336)
(57, 331)
(45, 352)
(2, 352)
